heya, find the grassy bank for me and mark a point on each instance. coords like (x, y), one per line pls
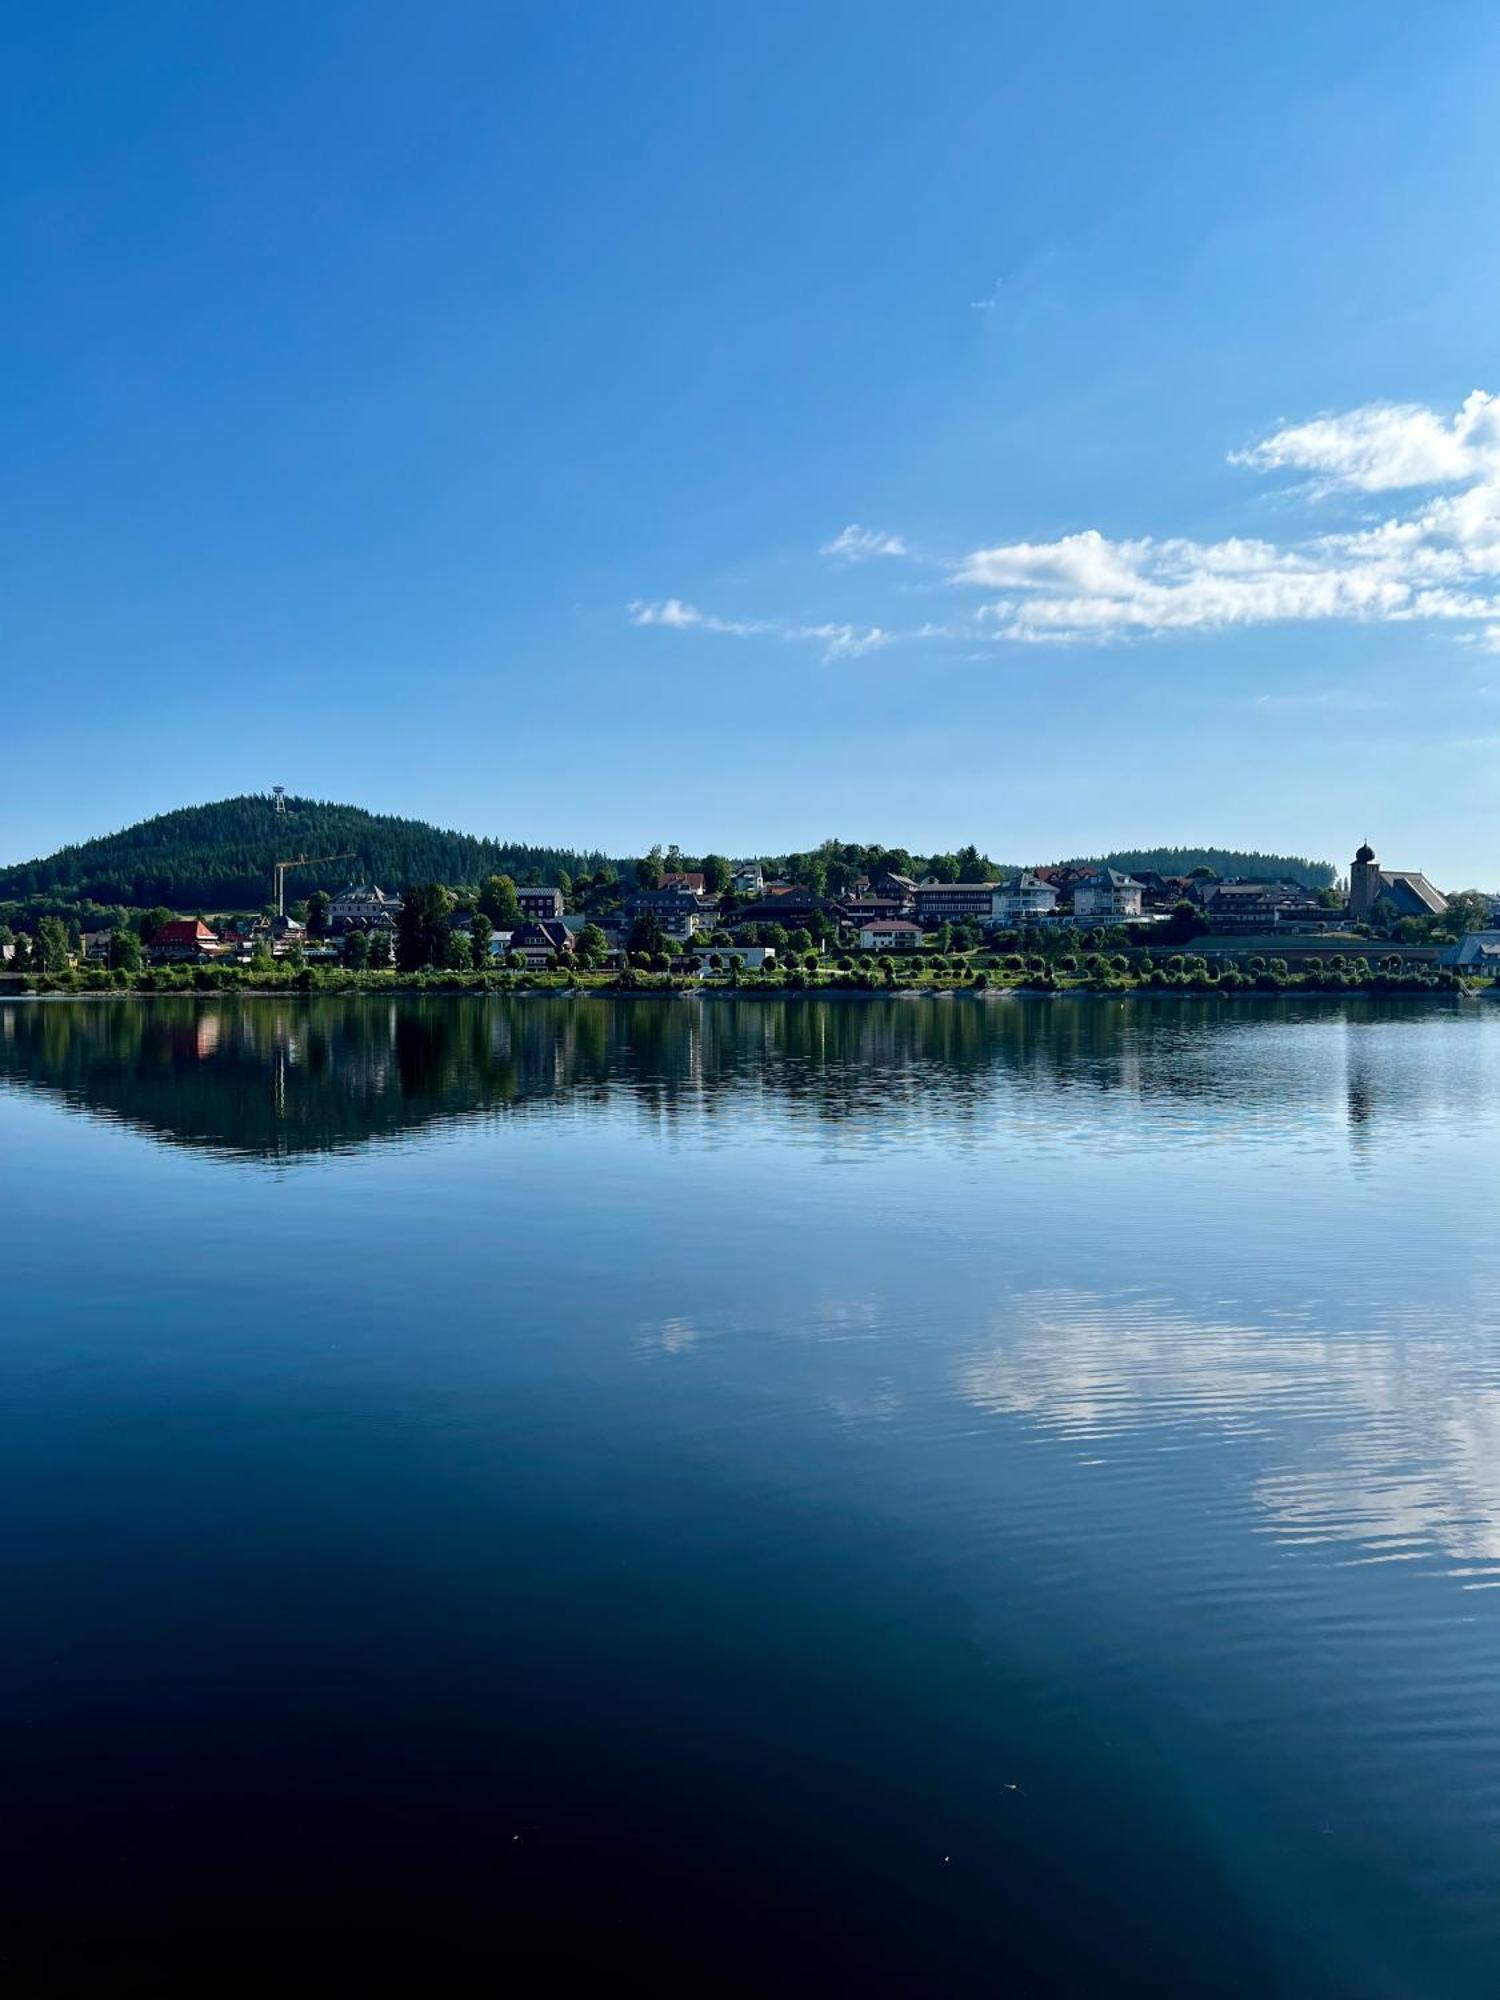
(910, 977)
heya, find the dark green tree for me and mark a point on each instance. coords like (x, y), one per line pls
(380, 951)
(423, 927)
(318, 905)
(125, 951)
(497, 900)
(647, 935)
(481, 931)
(356, 950)
(51, 953)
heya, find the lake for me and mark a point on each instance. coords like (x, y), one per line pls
(916, 1496)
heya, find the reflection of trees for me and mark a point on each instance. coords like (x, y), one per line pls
(283, 1077)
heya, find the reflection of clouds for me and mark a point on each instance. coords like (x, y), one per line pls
(1389, 1438)
(875, 1405)
(669, 1336)
(1377, 1495)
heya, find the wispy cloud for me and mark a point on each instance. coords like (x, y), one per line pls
(1322, 701)
(680, 617)
(839, 641)
(857, 544)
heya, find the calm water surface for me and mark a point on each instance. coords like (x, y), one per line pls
(905, 1497)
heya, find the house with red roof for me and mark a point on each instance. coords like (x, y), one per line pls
(183, 938)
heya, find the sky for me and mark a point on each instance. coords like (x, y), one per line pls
(1059, 427)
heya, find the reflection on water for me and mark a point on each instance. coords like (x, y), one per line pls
(1386, 1436)
(910, 1496)
(279, 1078)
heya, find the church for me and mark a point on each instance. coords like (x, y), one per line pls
(1407, 889)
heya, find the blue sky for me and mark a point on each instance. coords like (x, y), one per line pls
(1058, 427)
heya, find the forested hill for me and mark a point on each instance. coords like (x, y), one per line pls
(1226, 861)
(219, 856)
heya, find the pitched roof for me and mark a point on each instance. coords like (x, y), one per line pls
(1476, 948)
(540, 936)
(1411, 888)
(184, 930)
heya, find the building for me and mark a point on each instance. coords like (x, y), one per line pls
(1406, 889)
(752, 957)
(748, 879)
(1025, 900)
(1164, 892)
(869, 909)
(680, 913)
(890, 934)
(794, 910)
(363, 907)
(540, 904)
(690, 880)
(899, 888)
(1106, 896)
(537, 944)
(1259, 903)
(93, 946)
(1477, 955)
(184, 938)
(955, 902)
(1299, 950)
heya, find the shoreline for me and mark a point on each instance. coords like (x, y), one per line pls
(757, 992)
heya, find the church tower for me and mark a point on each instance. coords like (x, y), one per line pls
(1364, 884)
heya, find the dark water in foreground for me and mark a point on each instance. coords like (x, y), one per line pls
(896, 1497)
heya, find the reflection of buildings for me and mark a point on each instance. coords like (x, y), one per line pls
(283, 1078)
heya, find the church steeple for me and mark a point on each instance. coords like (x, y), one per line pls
(1365, 883)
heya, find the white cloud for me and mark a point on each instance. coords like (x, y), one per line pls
(680, 617)
(1439, 563)
(857, 544)
(843, 641)
(1384, 447)
(1435, 561)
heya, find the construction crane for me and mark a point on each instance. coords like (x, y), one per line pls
(279, 868)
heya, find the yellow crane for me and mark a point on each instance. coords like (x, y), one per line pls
(279, 868)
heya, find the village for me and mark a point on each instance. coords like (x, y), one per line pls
(683, 921)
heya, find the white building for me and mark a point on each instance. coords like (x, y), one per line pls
(363, 907)
(1024, 900)
(889, 934)
(1106, 896)
(748, 879)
